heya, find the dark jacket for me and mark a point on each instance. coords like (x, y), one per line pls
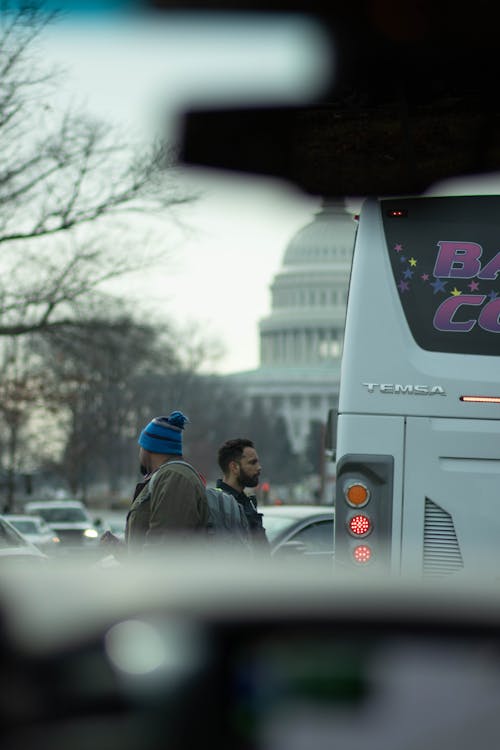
(171, 505)
(254, 518)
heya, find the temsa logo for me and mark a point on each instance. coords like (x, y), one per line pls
(408, 390)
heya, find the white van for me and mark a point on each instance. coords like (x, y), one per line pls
(418, 433)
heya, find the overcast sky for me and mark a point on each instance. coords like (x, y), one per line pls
(138, 74)
(218, 271)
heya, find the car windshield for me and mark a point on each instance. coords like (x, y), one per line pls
(274, 525)
(25, 526)
(9, 537)
(62, 515)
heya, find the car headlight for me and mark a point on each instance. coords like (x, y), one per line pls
(90, 533)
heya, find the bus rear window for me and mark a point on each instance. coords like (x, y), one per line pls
(445, 258)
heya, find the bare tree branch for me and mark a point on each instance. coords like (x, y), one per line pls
(65, 179)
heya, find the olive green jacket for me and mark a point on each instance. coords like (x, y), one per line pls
(172, 506)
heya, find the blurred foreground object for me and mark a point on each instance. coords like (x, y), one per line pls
(410, 102)
(182, 652)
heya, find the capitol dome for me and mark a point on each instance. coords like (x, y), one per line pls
(325, 240)
(308, 294)
(301, 340)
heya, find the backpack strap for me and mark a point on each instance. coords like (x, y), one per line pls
(169, 463)
(186, 463)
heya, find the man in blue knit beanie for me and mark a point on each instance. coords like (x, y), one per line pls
(170, 503)
(164, 434)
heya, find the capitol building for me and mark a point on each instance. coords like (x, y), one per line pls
(301, 339)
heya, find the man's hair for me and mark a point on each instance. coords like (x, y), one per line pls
(232, 450)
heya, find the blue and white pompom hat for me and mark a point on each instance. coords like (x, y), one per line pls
(164, 434)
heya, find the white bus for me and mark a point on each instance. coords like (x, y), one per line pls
(418, 432)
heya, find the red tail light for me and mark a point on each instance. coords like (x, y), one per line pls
(362, 554)
(359, 525)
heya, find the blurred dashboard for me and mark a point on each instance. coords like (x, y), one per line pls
(174, 653)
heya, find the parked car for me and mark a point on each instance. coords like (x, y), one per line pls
(15, 547)
(36, 531)
(70, 520)
(299, 529)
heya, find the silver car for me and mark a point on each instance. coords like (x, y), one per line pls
(300, 529)
(70, 520)
(36, 531)
(15, 547)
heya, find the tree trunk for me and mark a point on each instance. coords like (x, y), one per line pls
(11, 467)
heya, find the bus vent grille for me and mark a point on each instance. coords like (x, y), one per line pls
(442, 554)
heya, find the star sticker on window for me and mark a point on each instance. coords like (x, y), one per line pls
(473, 286)
(425, 277)
(455, 292)
(403, 287)
(412, 262)
(438, 286)
(398, 248)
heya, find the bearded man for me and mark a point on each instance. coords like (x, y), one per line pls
(241, 468)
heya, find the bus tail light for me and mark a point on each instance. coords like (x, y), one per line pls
(480, 399)
(359, 525)
(362, 554)
(356, 494)
(363, 508)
